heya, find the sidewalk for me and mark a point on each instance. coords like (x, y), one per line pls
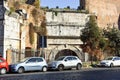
(88, 65)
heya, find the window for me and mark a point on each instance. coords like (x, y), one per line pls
(1, 60)
(39, 60)
(117, 58)
(69, 58)
(74, 58)
(32, 60)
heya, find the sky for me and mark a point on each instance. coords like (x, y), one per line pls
(59, 3)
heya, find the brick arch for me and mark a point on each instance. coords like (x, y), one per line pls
(55, 51)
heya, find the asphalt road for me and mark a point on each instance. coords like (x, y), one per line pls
(84, 74)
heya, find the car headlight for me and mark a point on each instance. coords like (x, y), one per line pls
(14, 65)
(53, 64)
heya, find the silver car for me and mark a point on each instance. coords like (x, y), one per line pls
(66, 62)
(29, 64)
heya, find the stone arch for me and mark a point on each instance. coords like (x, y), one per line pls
(65, 52)
(56, 52)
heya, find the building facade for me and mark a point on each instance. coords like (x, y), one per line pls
(63, 31)
(12, 39)
(107, 11)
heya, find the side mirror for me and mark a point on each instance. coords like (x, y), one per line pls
(66, 60)
(113, 60)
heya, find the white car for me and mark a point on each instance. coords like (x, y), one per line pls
(111, 61)
(66, 62)
(29, 64)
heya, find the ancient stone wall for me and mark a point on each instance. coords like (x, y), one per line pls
(106, 11)
(116, 3)
(65, 25)
(35, 17)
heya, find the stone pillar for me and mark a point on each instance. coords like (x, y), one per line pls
(9, 56)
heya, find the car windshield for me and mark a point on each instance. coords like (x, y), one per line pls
(23, 60)
(60, 58)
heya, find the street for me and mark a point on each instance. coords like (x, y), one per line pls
(84, 74)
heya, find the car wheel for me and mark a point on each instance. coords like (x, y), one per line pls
(111, 65)
(78, 67)
(44, 69)
(60, 67)
(21, 70)
(3, 71)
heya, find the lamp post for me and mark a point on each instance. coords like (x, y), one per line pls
(42, 53)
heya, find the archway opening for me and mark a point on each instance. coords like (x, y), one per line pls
(65, 52)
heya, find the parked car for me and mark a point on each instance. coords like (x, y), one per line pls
(111, 61)
(65, 62)
(29, 64)
(4, 68)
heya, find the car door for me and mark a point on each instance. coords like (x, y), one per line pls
(74, 61)
(1, 62)
(119, 62)
(39, 63)
(67, 62)
(30, 64)
(116, 61)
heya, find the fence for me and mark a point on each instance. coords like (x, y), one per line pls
(15, 56)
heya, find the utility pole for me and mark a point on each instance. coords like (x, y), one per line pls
(43, 55)
(82, 4)
(43, 44)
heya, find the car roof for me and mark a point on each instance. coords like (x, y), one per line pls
(34, 57)
(71, 56)
(68, 56)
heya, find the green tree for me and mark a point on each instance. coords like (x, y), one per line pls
(93, 40)
(113, 35)
(37, 3)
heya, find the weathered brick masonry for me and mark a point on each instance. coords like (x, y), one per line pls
(106, 11)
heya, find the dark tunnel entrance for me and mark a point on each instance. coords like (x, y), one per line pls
(65, 52)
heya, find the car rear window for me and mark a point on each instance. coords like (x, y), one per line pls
(39, 59)
(74, 58)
